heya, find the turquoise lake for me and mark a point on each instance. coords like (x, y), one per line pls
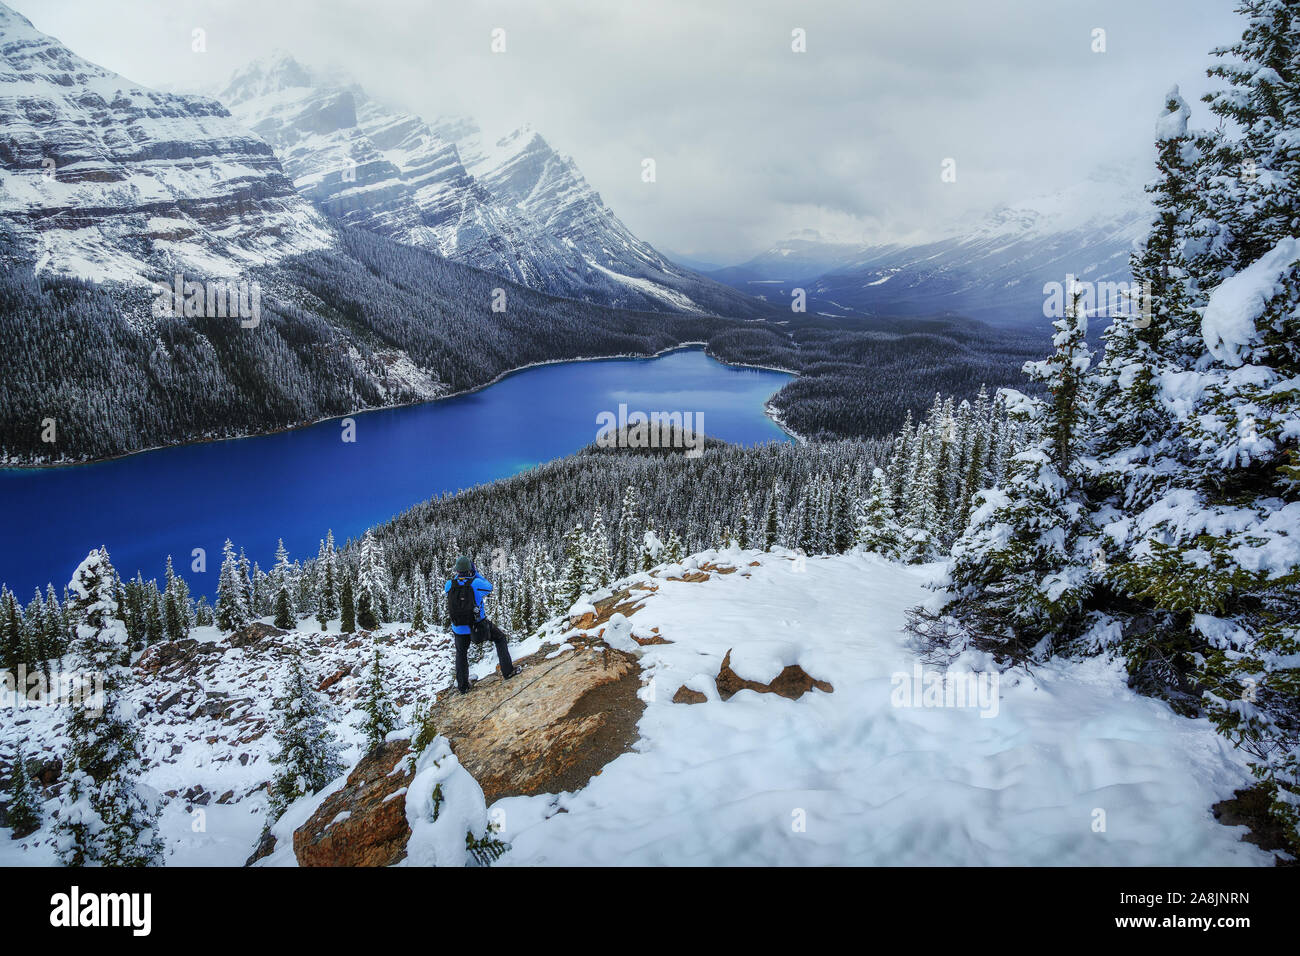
(297, 484)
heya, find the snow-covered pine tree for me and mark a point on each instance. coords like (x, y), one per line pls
(419, 600)
(262, 596)
(1138, 447)
(1207, 562)
(772, 519)
(1021, 570)
(744, 521)
(372, 590)
(12, 646)
(177, 613)
(203, 616)
(975, 468)
(327, 584)
(576, 568)
(106, 815)
(246, 582)
(282, 574)
(627, 541)
(651, 548)
(673, 551)
(597, 549)
(381, 716)
(24, 810)
(56, 639)
(308, 756)
(232, 611)
(154, 621)
(920, 521)
(843, 530)
(877, 529)
(347, 606)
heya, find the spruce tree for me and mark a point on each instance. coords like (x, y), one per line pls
(347, 608)
(381, 716)
(24, 809)
(1020, 571)
(877, 530)
(308, 755)
(232, 611)
(176, 605)
(417, 610)
(372, 591)
(283, 610)
(327, 586)
(597, 551)
(106, 817)
(772, 520)
(203, 616)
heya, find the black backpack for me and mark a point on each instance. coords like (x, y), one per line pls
(461, 605)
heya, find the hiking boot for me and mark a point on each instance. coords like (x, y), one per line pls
(515, 670)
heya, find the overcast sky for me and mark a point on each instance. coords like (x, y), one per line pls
(751, 140)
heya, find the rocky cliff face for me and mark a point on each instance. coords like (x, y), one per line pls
(517, 208)
(549, 729)
(103, 179)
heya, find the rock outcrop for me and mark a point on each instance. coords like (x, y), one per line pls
(549, 729)
(793, 682)
(363, 824)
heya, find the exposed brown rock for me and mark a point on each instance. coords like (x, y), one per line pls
(623, 602)
(1252, 808)
(265, 847)
(334, 678)
(685, 695)
(549, 729)
(375, 831)
(692, 577)
(254, 633)
(652, 639)
(48, 771)
(183, 656)
(793, 682)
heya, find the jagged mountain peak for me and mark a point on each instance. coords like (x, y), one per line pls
(516, 207)
(272, 74)
(102, 178)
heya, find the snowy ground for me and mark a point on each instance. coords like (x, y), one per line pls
(851, 778)
(1064, 767)
(206, 724)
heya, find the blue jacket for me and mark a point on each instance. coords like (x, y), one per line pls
(482, 587)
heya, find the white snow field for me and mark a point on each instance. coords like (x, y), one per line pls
(841, 778)
(850, 778)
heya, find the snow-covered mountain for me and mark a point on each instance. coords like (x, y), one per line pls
(992, 268)
(517, 207)
(104, 179)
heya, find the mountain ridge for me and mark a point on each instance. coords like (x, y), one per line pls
(518, 207)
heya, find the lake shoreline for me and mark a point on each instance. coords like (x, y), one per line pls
(625, 356)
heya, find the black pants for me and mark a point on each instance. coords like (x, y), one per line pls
(487, 631)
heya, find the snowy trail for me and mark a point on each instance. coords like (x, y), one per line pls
(877, 784)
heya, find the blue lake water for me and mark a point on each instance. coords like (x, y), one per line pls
(297, 484)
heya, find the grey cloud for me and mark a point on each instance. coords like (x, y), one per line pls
(752, 141)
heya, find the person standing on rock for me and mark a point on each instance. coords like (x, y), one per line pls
(466, 590)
